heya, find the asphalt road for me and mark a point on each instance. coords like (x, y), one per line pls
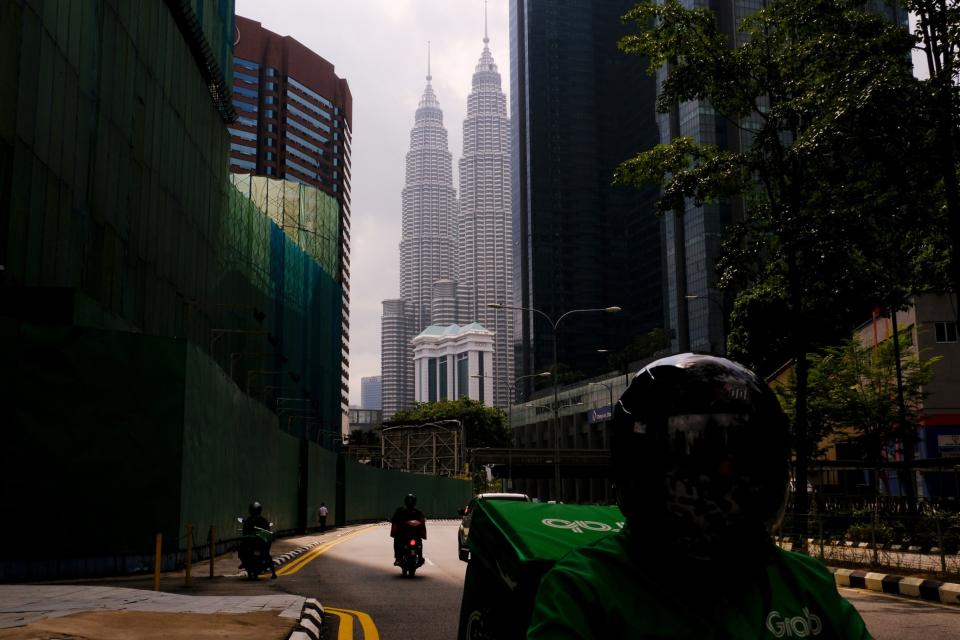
(895, 618)
(352, 574)
(353, 577)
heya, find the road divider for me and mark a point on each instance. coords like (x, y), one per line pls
(295, 565)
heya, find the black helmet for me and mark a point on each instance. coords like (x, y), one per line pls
(410, 501)
(256, 508)
(700, 453)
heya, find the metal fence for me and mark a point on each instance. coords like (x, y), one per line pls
(926, 540)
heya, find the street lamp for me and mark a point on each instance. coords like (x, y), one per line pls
(723, 322)
(609, 388)
(516, 393)
(556, 391)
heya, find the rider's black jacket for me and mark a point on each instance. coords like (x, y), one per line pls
(254, 521)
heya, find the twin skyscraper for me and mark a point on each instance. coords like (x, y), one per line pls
(439, 339)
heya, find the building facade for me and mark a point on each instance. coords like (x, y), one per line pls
(453, 361)
(294, 121)
(428, 224)
(371, 392)
(485, 240)
(396, 356)
(579, 107)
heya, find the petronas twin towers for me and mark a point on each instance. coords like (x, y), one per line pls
(456, 255)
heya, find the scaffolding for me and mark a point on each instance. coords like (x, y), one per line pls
(434, 448)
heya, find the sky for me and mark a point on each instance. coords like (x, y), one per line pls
(380, 48)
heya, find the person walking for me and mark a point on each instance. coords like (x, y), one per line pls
(322, 513)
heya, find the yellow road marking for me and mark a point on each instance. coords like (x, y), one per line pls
(345, 627)
(295, 565)
(366, 623)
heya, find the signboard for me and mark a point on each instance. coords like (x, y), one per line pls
(949, 445)
(600, 414)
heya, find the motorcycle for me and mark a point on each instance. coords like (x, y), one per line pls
(412, 533)
(254, 551)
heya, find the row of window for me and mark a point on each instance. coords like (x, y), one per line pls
(310, 92)
(247, 93)
(245, 150)
(314, 121)
(243, 164)
(313, 134)
(309, 105)
(246, 77)
(245, 106)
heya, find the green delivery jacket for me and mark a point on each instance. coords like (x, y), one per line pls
(606, 590)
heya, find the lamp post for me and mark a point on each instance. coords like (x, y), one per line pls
(556, 391)
(516, 391)
(723, 322)
(609, 388)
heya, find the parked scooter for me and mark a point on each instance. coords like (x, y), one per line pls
(254, 551)
(411, 533)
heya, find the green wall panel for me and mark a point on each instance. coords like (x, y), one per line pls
(233, 453)
(91, 454)
(373, 494)
(322, 485)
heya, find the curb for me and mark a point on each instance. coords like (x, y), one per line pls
(310, 626)
(931, 590)
(281, 560)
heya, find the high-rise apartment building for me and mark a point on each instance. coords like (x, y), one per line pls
(371, 392)
(294, 121)
(428, 224)
(485, 240)
(579, 107)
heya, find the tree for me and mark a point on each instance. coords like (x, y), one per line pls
(483, 426)
(938, 37)
(854, 391)
(803, 86)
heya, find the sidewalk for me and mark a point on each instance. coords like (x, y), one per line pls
(127, 607)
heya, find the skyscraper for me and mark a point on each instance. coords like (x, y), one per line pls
(371, 392)
(294, 122)
(485, 240)
(579, 107)
(428, 230)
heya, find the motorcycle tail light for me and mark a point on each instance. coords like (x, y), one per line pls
(413, 543)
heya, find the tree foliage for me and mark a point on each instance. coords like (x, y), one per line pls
(828, 114)
(854, 392)
(483, 426)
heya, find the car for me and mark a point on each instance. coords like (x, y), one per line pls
(467, 513)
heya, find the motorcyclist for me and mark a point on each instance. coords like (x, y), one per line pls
(256, 521)
(398, 522)
(699, 452)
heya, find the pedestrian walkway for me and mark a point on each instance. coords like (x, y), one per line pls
(23, 604)
(127, 607)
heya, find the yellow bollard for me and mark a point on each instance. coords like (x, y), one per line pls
(213, 547)
(189, 554)
(156, 563)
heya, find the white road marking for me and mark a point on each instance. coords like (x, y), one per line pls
(429, 561)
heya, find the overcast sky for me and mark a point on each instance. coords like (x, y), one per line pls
(380, 48)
